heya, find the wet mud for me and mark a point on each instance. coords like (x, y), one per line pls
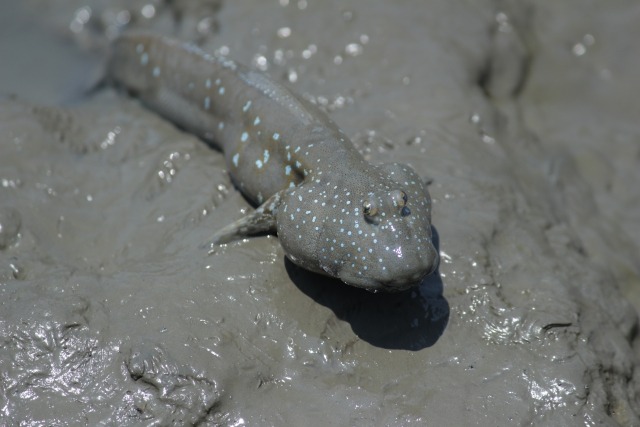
(521, 115)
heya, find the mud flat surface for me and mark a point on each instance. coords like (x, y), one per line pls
(523, 114)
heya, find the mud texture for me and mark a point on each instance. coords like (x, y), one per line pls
(522, 114)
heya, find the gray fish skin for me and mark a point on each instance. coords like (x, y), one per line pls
(334, 213)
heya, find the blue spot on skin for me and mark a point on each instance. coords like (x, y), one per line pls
(259, 163)
(246, 106)
(276, 136)
(207, 103)
(208, 83)
(256, 122)
(221, 125)
(287, 170)
(266, 156)
(235, 159)
(156, 71)
(244, 137)
(144, 58)
(221, 90)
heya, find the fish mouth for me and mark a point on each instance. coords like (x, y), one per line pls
(401, 280)
(393, 282)
(351, 279)
(377, 285)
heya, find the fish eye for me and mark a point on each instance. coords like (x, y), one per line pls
(399, 198)
(370, 211)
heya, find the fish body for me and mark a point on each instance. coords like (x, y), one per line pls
(334, 213)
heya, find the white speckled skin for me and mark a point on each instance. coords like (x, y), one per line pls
(334, 213)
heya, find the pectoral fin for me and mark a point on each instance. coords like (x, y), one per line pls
(262, 220)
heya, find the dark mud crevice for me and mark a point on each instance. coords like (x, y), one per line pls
(507, 64)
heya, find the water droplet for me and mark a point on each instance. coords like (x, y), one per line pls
(353, 49)
(148, 11)
(284, 32)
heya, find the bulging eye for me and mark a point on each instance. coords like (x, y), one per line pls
(399, 198)
(402, 202)
(370, 211)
